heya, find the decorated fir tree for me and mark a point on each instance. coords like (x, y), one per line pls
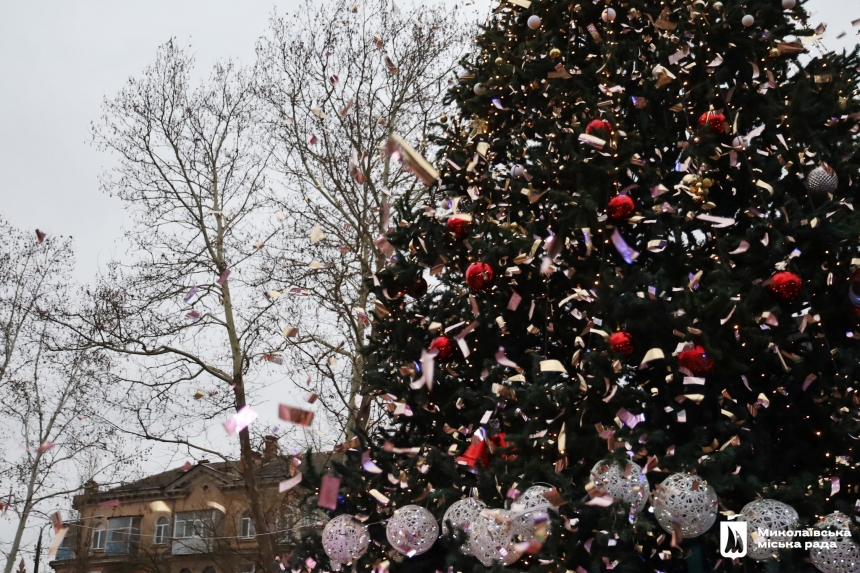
(642, 320)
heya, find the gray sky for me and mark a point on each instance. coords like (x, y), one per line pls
(58, 59)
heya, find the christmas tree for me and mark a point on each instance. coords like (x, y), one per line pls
(644, 312)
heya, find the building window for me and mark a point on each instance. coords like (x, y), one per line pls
(162, 526)
(189, 527)
(123, 535)
(246, 527)
(98, 542)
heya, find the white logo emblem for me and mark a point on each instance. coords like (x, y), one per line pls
(733, 539)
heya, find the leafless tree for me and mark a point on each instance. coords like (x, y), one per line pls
(338, 79)
(33, 270)
(189, 311)
(49, 396)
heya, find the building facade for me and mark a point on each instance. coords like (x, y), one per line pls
(193, 520)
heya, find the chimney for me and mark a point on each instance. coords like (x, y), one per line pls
(270, 450)
(91, 487)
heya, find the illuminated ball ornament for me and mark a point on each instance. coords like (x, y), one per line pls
(713, 119)
(598, 127)
(608, 15)
(620, 207)
(555, 53)
(479, 89)
(344, 539)
(529, 510)
(417, 288)
(789, 4)
(822, 180)
(533, 22)
(766, 514)
(686, 502)
(621, 342)
(622, 482)
(492, 538)
(748, 20)
(458, 226)
(786, 286)
(444, 347)
(696, 360)
(412, 530)
(479, 276)
(845, 557)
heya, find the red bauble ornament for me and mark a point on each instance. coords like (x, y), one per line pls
(498, 441)
(621, 342)
(458, 226)
(417, 288)
(598, 125)
(714, 120)
(444, 347)
(786, 286)
(620, 207)
(479, 276)
(696, 360)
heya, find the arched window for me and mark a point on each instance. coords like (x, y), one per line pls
(246, 527)
(162, 526)
(99, 535)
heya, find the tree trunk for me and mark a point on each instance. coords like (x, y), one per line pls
(265, 542)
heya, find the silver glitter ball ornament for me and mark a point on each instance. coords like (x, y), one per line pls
(412, 530)
(821, 180)
(770, 515)
(492, 538)
(345, 539)
(686, 500)
(622, 482)
(845, 557)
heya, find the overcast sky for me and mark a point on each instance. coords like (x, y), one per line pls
(58, 59)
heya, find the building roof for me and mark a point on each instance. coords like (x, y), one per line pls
(174, 482)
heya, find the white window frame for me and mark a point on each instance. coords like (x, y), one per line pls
(99, 537)
(162, 531)
(246, 528)
(196, 528)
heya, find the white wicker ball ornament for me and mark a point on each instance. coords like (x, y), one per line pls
(622, 482)
(412, 530)
(462, 514)
(686, 500)
(533, 22)
(532, 499)
(492, 538)
(766, 514)
(344, 539)
(821, 180)
(845, 557)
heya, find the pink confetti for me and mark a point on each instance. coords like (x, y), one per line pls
(628, 254)
(835, 486)
(289, 484)
(45, 446)
(328, 492)
(514, 302)
(191, 292)
(240, 420)
(193, 315)
(630, 419)
(295, 415)
(110, 503)
(223, 278)
(186, 466)
(809, 380)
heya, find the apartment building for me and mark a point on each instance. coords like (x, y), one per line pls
(193, 520)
